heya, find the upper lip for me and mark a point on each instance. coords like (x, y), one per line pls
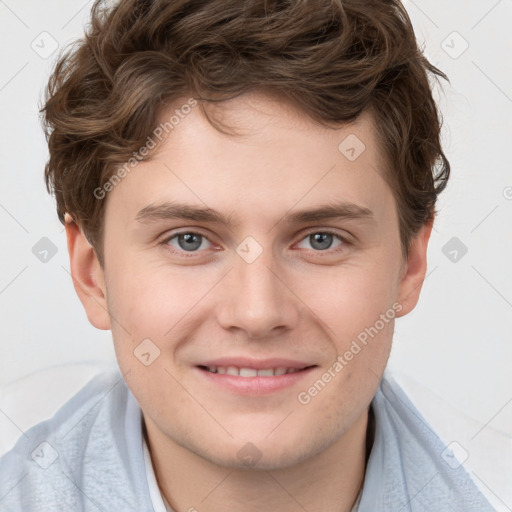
(257, 364)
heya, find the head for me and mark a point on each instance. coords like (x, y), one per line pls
(253, 182)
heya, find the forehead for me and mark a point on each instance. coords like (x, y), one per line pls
(279, 159)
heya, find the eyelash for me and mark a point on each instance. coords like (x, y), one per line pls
(189, 254)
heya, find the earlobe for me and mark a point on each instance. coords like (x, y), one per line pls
(414, 271)
(87, 274)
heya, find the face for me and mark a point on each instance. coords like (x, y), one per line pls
(252, 282)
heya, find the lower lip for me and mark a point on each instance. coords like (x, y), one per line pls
(255, 385)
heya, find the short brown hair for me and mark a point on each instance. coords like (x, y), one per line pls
(332, 59)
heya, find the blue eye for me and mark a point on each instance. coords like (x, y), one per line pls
(322, 240)
(189, 241)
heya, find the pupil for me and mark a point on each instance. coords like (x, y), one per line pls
(189, 241)
(321, 241)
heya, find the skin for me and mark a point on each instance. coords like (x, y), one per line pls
(293, 301)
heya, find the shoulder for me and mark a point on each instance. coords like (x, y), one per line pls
(79, 457)
(417, 462)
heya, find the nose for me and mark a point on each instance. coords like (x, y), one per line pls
(256, 299)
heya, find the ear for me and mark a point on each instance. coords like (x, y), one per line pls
(415, 268)
(87, 274)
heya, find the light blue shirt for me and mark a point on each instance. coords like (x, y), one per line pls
(89, 457)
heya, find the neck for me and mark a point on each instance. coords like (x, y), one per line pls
(329, 481)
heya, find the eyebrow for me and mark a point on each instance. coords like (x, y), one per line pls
(175, 210)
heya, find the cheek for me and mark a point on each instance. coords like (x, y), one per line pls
(150, 296)
(155, 302)
(350, 298)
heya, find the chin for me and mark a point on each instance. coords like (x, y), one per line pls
(264, 455)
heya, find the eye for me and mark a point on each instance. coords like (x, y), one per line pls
(322, 240)
(188, 242)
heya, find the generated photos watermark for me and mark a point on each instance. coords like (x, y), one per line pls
(305, 397)
(158, 135)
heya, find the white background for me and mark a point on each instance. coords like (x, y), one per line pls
(457, 342)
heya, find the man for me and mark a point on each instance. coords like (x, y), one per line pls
(248, 190)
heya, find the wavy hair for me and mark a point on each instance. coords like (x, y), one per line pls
(331, 59)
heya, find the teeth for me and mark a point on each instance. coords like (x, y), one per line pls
(251, 372)
(248, 372)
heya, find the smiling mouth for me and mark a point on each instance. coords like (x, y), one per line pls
(253, 372)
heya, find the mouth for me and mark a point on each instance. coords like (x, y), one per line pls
(247, 372)
(243, 376)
